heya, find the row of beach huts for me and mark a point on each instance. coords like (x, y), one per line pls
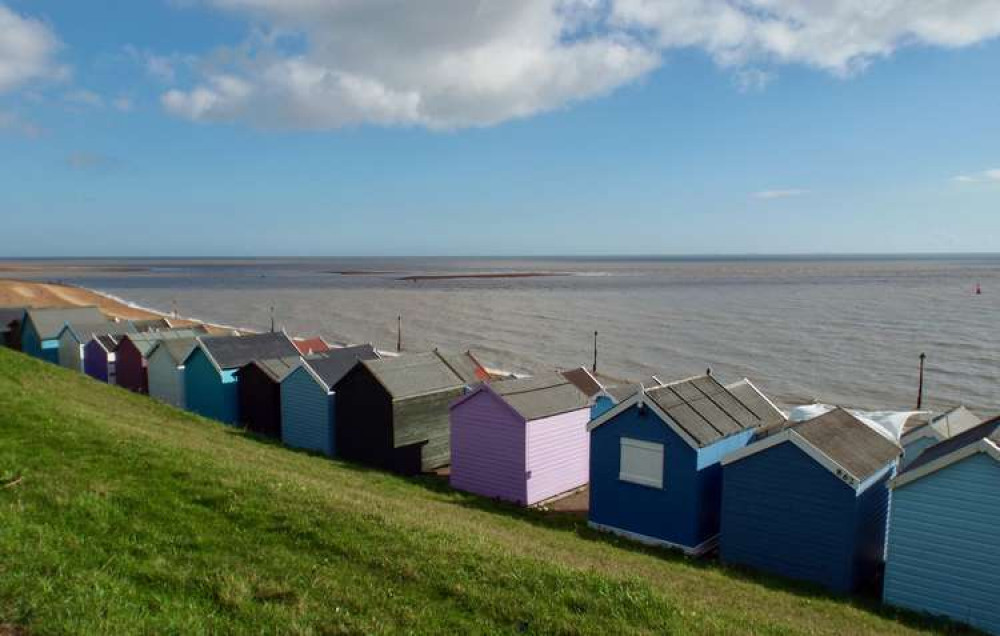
(840, 498)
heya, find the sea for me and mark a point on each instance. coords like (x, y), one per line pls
(838, 330)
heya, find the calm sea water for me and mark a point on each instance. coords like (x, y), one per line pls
(840, 330)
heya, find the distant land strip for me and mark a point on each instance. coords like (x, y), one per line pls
(419, 277)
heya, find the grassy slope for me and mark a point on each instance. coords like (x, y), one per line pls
(131, 516)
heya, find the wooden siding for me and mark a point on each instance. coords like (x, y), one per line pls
(785, 514)
(307, 413)
(166, 379)
(422, 431)
(488, 449)
(669, 514)
(364, 420)
(943, 539)
(95, 360)
(260, 402)
(558, 449)
(32, 345)
(70, 352)
(130, 368)
(207, 392)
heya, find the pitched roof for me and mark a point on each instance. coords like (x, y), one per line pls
(414, 374)
(329, 367)
(150, 324)
(178, 349)
(9, 315)
(85, 332)
(49, 322)
(943, 426)
(704, 409)
(307, 346)
(622, 392)
(583, 380)
(465, 366)
(849, 442)
(145, 342)
(109, 342)
(231, 352)
(754, 399)
(541, 396)
(989, 429)
(275, 368)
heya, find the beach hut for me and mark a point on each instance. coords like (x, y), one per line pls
(613, 395)
(654, 461)
(210, 382)
(393, 413)
(132, 358)
(944, 530)
(10, 326)
(41, 328)
(522, 440)
(917, 438)
(808, 501)
(165, 370)
(308, 414)
(73, 339)
(259, 390)
(99, 357)
(309, 346)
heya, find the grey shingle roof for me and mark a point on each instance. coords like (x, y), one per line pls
(414, 374)
(178, 349)
(145, 342)
(583, 380)
(849, 442)
(276, 368)
(334, 364)
(704, 409)
(757, 402)
(989, 429)
(150, 323)
(465, 366)
(231, 352)
(84, 332)
(109, 341)
(541, 396)
(50, 321)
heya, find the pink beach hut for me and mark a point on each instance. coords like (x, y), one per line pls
(522, 440)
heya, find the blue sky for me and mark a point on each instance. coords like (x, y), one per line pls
(350, 127)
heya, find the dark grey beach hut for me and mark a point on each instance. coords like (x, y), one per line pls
(10, 326)
(393, 413)
(260, 394)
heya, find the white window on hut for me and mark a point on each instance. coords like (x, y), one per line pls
(641, 462)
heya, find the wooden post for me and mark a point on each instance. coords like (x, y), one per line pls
(399, 333)
(920, 387)
(594, 368)
(272, 318)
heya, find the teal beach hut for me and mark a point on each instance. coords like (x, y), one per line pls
(210, 380)
(944, 531)
(41, 328)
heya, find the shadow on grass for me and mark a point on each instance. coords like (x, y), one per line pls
(868, 600)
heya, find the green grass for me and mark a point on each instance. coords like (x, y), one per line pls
(133, 517)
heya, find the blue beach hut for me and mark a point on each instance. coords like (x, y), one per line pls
(944, 530)
(41, 328)
(308, 414)
(809, 500)
(210, 379)
(654, 461)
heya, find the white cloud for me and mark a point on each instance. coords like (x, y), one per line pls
(986, 176)
(779, 194)
(453, 63)
(27, 50)
(84, 97)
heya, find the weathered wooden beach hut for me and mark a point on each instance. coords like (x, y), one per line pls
(916, 439)
(41, 328)
(10, 326)
(210, 382)
(522, 440)
(944, 530)
(132, 359)
(165, 370)
(654, 461)
(99, 357)
(393, 413)
(74, 337)
(259, 389)
(308, 413)
(808, 501)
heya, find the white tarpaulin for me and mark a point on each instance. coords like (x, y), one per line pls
(888, 423)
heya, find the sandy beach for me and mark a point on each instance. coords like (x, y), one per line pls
(23, 293)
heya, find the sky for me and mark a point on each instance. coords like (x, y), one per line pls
(498, 127)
